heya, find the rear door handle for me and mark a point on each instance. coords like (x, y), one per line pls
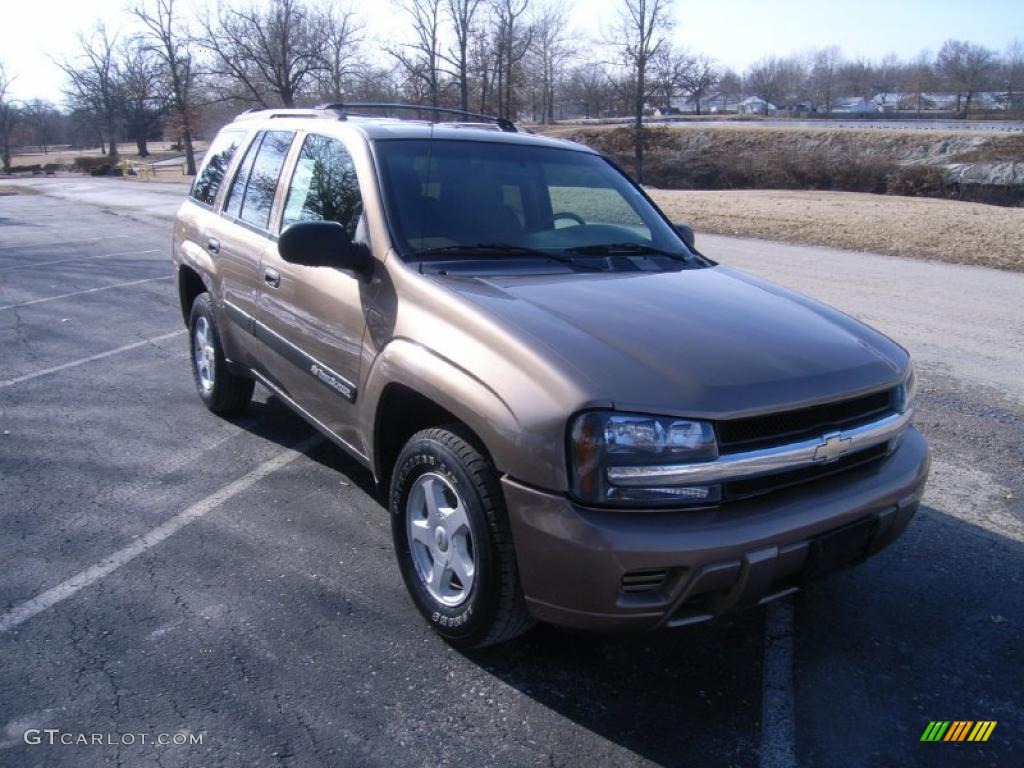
(272, 277)
(213, 245)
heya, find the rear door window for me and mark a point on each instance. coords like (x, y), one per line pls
(215, 165)
(252, 194)
(262, 184)
(233, 203)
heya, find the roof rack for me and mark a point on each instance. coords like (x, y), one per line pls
(342, 109)
(272, 112)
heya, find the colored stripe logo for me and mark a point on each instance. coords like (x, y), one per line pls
(958, 730)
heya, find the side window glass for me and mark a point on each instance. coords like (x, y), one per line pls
(262, 183)
(324, 186)
(215, 164)
(233, 204)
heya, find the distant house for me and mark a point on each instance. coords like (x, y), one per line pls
(755, 105)
(854, 105)
(887, 102)
(723, 103)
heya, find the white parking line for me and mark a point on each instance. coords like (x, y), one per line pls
(84, 360)
(778, 730)
(87, 290)
(25, 611)
(77, 258)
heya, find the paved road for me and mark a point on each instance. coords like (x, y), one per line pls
(222, 584)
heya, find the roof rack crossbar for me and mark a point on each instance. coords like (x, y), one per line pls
(502, 123)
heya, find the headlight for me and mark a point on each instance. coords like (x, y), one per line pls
(906, 392)
(600, 440)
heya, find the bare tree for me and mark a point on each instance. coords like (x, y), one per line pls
(667, 74)
(550, 52)
(920, 79)
(43, 120)
(1013, 75)
(730, 86)
(642, 28)
(766, 80)
(512, 42)
(266, 54)
(421, 59)
(169, 37)
(588, 90)
(140, 77)
(462, 15)
(965, 67)
(886, 79)
(92, 82)
(855, 78)
(823, 77)
(8, 117)
(700, 79)
(340, 60)
(482, 61)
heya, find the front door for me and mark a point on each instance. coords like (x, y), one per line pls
(312, 318)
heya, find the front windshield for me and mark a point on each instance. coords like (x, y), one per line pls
(446, 196)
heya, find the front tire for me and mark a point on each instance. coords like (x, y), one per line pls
(453, 542)
(220, 390)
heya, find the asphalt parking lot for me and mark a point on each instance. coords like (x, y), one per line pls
(168, 571)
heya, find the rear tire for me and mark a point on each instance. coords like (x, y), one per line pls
(456, 553)
(220, 390)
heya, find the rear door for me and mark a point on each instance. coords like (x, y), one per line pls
(312, 318)
(243, 234)
(198, 228)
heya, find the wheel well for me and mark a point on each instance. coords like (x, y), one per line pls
(401, 413)
(190, 285)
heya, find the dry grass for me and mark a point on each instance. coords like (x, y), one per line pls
(11, 189)
(158, 150)
(920, 228)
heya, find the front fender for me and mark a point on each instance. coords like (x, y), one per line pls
(519, 447)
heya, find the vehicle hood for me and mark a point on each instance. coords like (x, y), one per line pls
(702, 342)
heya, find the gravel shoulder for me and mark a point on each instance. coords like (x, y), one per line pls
(918, 228)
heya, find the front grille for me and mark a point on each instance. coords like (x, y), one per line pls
(736, 435)
(742, 489)
(636, 582)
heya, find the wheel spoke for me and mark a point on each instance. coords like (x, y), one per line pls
(440, 576)
(455, 520)
(462, 566)
(432, 493)
(422, 533)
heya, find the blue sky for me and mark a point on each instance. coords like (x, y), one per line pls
(736, 32)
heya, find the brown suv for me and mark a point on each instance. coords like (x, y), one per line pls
(579, 418)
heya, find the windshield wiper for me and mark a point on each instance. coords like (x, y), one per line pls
(608, 249)
(502, 249)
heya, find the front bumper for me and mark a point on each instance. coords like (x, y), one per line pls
(572, 559)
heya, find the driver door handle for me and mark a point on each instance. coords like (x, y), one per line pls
(272, 277)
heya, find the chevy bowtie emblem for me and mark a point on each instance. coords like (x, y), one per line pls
(833, 447)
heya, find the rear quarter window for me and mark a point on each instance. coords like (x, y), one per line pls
(215, 165)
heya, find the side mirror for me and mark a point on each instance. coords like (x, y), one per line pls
(322, 244)
(685, 231)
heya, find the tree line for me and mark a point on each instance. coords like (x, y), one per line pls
(176, 74)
